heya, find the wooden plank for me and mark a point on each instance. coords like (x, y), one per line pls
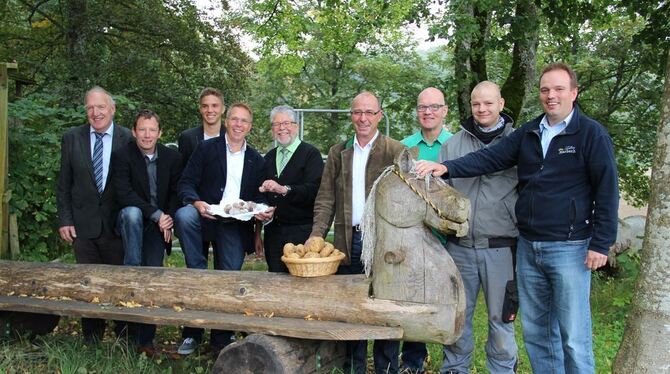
(340, 298)
(279, 326)
(14, 248)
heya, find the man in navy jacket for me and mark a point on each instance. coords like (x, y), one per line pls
(225, 167)
(567, 218)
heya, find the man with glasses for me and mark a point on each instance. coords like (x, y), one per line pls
(351, 169)
(430, 111)
(293, 174)
(221, 167)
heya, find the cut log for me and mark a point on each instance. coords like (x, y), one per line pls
(259, 354)
(340, 298)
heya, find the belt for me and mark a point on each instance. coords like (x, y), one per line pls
(493, 242)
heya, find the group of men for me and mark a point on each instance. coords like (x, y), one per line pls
(544, 200)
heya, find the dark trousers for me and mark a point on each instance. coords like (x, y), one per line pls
(413, 355)
(276, 235)
(384, 352)
(106, 249)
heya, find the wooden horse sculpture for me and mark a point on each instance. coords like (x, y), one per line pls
(408, 261)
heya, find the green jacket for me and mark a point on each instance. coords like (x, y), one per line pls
(334, 198)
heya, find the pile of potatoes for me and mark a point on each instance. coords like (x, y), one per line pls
(314, 247)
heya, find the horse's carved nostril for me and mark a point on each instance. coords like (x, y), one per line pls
(394, 257)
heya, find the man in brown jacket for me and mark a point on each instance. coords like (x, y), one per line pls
(351, 169)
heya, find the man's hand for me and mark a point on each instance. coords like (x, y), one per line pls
(203, 209)
(165, 222)
(167, 235)
(67, 233)
(424, 167)
(265, 216)
(595, 260)
(272, 186)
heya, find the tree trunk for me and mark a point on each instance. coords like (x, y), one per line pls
(340, 298)
(646, 343)
(75, 34)
(521, 76)
(271, 354)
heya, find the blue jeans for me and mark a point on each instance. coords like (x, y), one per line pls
(143, 245)
(554, 287)
(488, 269)
(384, 352)
(228, 255)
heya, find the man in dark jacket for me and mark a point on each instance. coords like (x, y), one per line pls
(145, 180)
(225, 168)
(567, 218)
(293, 175)
(85, 194)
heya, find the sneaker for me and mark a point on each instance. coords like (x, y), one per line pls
(187, 347)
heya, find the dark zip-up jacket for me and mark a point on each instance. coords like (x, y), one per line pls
(570, 194)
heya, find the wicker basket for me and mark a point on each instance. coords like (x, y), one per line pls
(312, 267)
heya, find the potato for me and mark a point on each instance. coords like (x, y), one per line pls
(311, 255)
(300, 250)
(335, 253)
(327, 250)
(314, 244)
(289, 248)
(293, 255)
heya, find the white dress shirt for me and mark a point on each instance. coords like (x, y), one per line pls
(360, 161)
(234, 168)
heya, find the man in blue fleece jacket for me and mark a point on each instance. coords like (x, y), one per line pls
(567, 218)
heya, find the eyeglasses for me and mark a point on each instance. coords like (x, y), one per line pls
(243, 121)
(368, 113)
(282, 124)
(432, 107)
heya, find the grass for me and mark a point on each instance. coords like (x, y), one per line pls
(63, 351)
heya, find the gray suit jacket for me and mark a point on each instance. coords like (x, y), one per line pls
(79, 203)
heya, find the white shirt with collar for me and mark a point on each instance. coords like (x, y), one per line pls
(234, 169)
(359, 163)
(548, 132)
(106, 150)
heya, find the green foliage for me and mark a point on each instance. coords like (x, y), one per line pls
(158, 54)
(34, 160)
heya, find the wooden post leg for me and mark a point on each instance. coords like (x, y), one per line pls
(259, 353)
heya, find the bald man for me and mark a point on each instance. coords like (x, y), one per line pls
(351, 169)
(431, 110)
(484, 255)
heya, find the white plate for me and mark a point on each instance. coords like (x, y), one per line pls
(217, 210)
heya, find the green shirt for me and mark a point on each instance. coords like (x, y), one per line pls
(431, 153)
(291, 150)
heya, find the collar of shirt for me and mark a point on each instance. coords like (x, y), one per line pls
(109, 131)
(243, 149)
(291, 147)
(558, 127)
(417, 138)
(501, 123)
(370, 143)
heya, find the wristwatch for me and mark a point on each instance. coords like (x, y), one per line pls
(288, 189)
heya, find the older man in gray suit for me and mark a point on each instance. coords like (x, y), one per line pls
(86, 206)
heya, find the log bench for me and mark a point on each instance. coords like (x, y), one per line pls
(302, 320)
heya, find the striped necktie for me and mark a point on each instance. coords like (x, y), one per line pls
(283, 160)
(97, 161)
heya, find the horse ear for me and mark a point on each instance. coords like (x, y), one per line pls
(404, 159)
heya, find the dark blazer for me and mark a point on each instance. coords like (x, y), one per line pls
(131, 180)
(204, 178)
(189, 140)
(303, 173)
(79, 203)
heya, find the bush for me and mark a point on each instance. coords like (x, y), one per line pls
(36, 126)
